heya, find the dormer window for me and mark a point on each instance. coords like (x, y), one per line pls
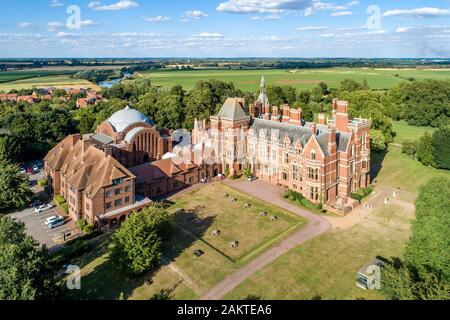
(118, 181)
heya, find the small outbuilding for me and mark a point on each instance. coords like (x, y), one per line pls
(368, 277)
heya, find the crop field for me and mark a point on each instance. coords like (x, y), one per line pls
(8, 76)
(249, 80)
(48, 81)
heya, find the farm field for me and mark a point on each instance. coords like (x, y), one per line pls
(249, 80)
(407, 132)
(8, 76)
(48, 81)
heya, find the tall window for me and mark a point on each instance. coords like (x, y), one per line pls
(295, 171)
(313, 155)
(286, 158)
(274, 155)
(364, 139)
(285, 175)
(364, 163)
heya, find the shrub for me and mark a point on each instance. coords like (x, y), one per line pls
(356, 196)
(81, 223)
(70, 252)
(227, 172)
(409, 148)
(89, 236)
(88, 228)
(59, 200)
(42, 182)
(65, 208)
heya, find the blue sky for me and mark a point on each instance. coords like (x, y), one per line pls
(225, 28)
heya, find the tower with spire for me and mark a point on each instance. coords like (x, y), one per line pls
(263, 99)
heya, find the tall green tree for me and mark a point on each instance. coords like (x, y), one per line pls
(137, 244)
(424, 150)
(441, 147)
(14, 189)
(24, 268)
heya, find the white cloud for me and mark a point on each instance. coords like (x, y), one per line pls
(353, 3)
(403, 29)
(89, 23)
(55, 26)
(265, 18)
(312, 28)
(327, 35)
(426, 12)
(120, 5)
(193, 15)
(25, 25)
(56, 3)
(157, 19)
(263, 6)
(342, 13)
(209, 35)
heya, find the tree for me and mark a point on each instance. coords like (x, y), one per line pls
(441, 147)
(425, 272)
(14, 190)
(409, 148)
(10, 149)
(137, 244)
(24, 268)
(351, 85)
(425, 150)
(377, 140)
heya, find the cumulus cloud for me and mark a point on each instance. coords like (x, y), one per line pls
(263, 6)
(342, 13)
(157, 19)
(426, 12)
(25, 25)
(193, 15)
(120, 5)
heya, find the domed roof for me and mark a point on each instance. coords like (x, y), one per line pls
(126, 117)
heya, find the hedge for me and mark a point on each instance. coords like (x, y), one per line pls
(69, 252)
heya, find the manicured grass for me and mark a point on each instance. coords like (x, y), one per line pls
(326, 267)
(254, 233)
(50, 81)
(407, 132)
(102, 280)
(400, 170)
(249, 80)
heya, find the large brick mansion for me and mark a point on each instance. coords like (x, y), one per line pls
(106, 176)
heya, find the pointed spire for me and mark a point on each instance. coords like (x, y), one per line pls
(263, 99)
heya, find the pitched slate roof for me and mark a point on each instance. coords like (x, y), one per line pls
(233, 109)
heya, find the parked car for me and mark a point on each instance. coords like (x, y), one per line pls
(51, 219)
(22, 170)
(30, 171)
(36, 203)
(43, 208)
(35, 168)
(57, 223)
(252, 178)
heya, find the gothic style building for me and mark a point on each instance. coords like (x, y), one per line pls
(324, 161)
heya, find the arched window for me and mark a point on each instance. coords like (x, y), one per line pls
(313, 155)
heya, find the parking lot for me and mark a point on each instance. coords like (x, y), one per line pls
(35, 222)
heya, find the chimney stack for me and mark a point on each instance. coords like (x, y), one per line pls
(332, 139)
(335, 101)
(295, 117)
(286, 115)
(267, 109)
(322, 118)
(275, 114)
(342, 116)
(314, 129)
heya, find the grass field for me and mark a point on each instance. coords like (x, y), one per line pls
(406, 132)
(249, 80)
(254, 233)
(326, 267)
(400, 170)
(102, 280)
(7, 76)
(48, 81)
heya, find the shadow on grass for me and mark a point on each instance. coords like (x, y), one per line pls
(377, 159)
(189, 228)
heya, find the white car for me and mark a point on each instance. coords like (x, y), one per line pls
(51, 219)
(43, 208)
(56, 223)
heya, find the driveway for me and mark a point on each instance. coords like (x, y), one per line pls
(316, 226)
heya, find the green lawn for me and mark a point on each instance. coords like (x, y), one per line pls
(102, 280)
(400, 170)
(326, 267)
(407, 132)
(254, 233)
(49, 81)
(249, 80)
